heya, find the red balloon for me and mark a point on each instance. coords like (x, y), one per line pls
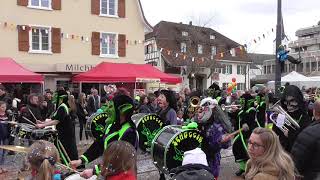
(233, 79)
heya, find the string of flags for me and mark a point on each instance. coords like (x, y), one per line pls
(71, 36)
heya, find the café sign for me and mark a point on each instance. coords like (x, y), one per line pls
(73, 67)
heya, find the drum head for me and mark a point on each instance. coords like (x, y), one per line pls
(148, 127)
(171, 143)
(96, 125)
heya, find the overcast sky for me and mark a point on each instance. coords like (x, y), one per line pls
(240, 20)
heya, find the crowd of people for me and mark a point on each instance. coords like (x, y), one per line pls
(271, 137)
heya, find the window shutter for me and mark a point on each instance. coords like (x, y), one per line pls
(122, 8)
(23, 38)
(95, 7)
(22, 2)
(95, 41)
(56, 4)
(122, 45)
(56, 40)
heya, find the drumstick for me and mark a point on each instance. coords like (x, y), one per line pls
(28, 120)
(32, 114)
(245, 127)
(60, 164)
(64, 151)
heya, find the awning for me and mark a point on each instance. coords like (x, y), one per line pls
(124, 72)
(12, 72)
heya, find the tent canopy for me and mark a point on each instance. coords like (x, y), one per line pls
(295, 77)
(124, 72)
(12, 72)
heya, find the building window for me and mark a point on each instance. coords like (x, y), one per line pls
(241, 69)
(40, 39)
(240, 86)
(183, 47)
(273, 68)
(41, 4)
(300, 67)
(109, 7)
(184, 33)
(212, 37)
(227, 69)
(109, 44)
(200, 49)
(313, 66)
(264, 69)
(268, 69)
(213, 50)
(307, 67)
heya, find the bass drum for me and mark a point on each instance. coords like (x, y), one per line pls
(170, 144)
(96, 125)
(148, 125)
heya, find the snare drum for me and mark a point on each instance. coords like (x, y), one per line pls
(24, 131)
(148, 125)
(96, 125)
(44, 134)
(170, 144)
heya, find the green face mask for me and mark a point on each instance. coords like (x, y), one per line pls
(250, 103)
(110, 110)
(258, 99)
(242, 102)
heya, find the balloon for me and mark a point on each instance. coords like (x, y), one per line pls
(229, 85)
(234, 84)
(233, 79)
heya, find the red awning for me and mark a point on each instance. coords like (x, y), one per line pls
(12, 72)
(123, 72)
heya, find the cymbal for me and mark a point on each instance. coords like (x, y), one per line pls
(20, 149)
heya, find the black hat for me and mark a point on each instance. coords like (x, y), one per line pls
(123, 104)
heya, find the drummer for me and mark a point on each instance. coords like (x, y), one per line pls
(65, 127)
(122, 128)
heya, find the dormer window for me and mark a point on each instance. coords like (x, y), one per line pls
(184, 33)
(212, 37)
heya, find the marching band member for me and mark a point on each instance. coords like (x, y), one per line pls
(260, 105)
(213, 126)
(292, 101)
(246, 116)
(121, 128)
(65, 127)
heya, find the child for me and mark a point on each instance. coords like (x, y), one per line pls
(180, 118)
(42, 157)
(119, 161)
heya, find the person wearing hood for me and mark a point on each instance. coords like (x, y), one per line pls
(246, 117)
(268, 160)
(194, 167)
(65, 127)
(121, 128)
(292, 102)
(213, 125)
(168, 104)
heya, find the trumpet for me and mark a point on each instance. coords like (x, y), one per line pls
(229, 107)
(194, 103)
(288, 120)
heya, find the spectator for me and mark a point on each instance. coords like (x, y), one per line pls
(119, 161)
(268, 160)
(305, 151)
(144, 108)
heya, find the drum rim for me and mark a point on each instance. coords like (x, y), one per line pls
(89, 123)
(165, 168)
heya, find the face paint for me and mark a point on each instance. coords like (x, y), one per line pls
(205, 114)
(242, 102)
(291, 103)
(110, 110)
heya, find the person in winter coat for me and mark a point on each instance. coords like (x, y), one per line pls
(194, 167)
(268, 160)
(305, 150)
(119, 161)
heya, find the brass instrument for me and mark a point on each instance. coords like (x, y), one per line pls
(194, 104)
(288, 121)
(229, 107)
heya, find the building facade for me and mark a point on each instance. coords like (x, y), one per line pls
(201, 56)
(62, 38)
